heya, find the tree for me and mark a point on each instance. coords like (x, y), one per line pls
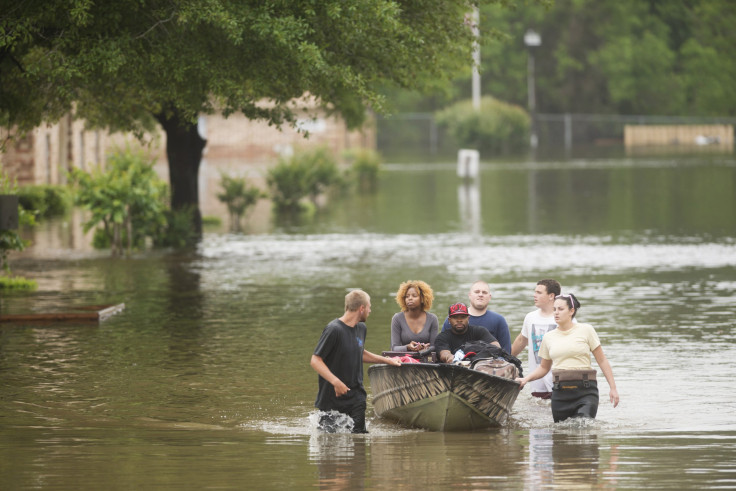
(128, 63)
(674, 57)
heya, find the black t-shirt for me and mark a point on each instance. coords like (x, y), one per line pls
(447, 340)
(341, 348)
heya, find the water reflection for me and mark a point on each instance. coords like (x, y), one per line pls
(468, 198)
(576, 459)
(340, 459)
(570, 457)
(541, 463)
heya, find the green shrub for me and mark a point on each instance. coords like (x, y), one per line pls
(365, 167)
(128, 200)
(211, 221)
(10, 240)
(323, 172)
(306, 174)
(101, 239)
(497, 129)
(58, 200)
(45, 200)
(33, 199)
(238, 197)
(17, 283)
(178, 231)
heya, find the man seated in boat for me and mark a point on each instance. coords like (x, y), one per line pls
(460, 332)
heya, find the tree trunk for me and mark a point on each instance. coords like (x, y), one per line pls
(184, 150)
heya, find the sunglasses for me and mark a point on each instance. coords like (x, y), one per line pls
(569, 296)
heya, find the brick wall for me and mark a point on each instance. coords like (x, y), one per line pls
(44, 155)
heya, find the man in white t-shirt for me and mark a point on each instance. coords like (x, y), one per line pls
(536, 325)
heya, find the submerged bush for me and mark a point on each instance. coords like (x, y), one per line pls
(306, 174)
(178, 231)
(17, 283)
(45, 200)
(365, 167)
(128, 201)
(211, 221)
(10, 240)
(238, 197)
(498, 128)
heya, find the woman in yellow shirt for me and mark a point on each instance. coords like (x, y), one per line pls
(566, 350)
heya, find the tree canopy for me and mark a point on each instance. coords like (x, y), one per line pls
(650, 57)
(122, 62)
(129, 63)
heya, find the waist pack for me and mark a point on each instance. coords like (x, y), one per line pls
(573, 375)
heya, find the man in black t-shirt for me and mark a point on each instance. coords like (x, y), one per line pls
(448, 342)
(338, 359)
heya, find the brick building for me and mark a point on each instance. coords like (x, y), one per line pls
(45, 154)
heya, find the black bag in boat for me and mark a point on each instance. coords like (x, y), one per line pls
(476, 351)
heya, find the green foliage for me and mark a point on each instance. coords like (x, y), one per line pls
(10, 240)
(17, 283)
(365, 167)
(128, 199)
(101, 239)
(211, 221)
(287, 183)
(178, 232)
(238, 197)
(45, 200)
(144, 57)
(123, 64)
(497, 129)
(306, 174)
(322, 171)
(675, 57)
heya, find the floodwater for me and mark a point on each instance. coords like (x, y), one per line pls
(203, 381)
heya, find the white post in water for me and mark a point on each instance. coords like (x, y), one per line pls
(468, 163)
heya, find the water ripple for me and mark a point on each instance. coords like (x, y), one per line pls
(321, 254)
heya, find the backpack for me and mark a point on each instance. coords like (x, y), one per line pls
(477, 351)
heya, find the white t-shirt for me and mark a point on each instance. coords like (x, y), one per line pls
(535, 327)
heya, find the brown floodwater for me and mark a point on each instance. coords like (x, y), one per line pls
(203, 381)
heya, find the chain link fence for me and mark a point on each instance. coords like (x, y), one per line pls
(408, 136)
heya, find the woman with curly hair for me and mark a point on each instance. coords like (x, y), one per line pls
(414, 328)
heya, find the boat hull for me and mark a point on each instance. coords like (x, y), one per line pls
(441, 397)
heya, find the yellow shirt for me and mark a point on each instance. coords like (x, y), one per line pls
(570, 350)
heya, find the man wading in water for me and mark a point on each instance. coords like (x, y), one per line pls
(338, 359)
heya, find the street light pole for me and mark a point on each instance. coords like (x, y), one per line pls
(532, 40)
(476, 60)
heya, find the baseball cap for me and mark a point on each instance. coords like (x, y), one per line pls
(458, 309)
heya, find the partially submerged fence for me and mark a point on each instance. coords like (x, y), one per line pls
(417, 134)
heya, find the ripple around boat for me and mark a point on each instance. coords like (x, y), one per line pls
(441, 397)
